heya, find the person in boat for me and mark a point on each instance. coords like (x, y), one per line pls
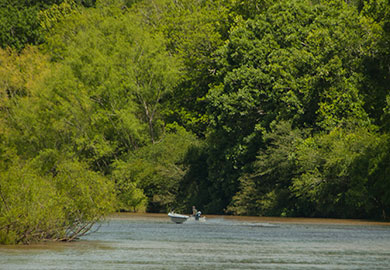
(195, 213)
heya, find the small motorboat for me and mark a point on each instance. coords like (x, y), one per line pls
(177, 218)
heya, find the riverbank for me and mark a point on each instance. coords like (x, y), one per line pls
(271, 220)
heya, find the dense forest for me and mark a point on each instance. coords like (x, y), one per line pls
(246, 107)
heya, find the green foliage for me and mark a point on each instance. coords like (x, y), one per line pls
(30, 209)
(378, 184)
(36, 207)
(193, 31)
(265, 191)
(104, 98)
(20, 73)
(251, 107)
(335, 172)
(297, 61)
(84, 204)
(48, 18)
(157, 169)
(20, 22)
(292, 62)
(250, 8)
(375, 85)
(195, 186)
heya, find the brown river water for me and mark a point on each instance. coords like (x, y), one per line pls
(152, 241)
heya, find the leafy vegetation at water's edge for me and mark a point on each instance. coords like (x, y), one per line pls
(250, 107)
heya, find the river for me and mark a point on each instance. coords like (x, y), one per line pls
(153, 242)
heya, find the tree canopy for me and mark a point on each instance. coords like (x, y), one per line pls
(248, 107)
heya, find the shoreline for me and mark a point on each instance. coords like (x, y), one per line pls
(271, 220)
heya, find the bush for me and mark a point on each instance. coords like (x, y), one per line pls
(34, 207)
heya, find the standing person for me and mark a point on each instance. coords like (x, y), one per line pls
(195, 213)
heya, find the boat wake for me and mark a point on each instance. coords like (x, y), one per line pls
(180, 219)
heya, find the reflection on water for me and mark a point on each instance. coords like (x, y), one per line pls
(153, 242)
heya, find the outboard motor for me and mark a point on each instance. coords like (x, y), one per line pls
(197, 216)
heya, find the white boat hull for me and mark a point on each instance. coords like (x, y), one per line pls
(177, 218)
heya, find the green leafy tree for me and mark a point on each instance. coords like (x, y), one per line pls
(266, 191)
(20, 23)
(297, 61)
(88, 196)
(36, 206)
(375, 85)
(29, 207)
(250, 8)
(334, 178)
(378, 183)
(21, 74)
(157, 170)
(105, 95)
(195, 187)
(193, 31)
